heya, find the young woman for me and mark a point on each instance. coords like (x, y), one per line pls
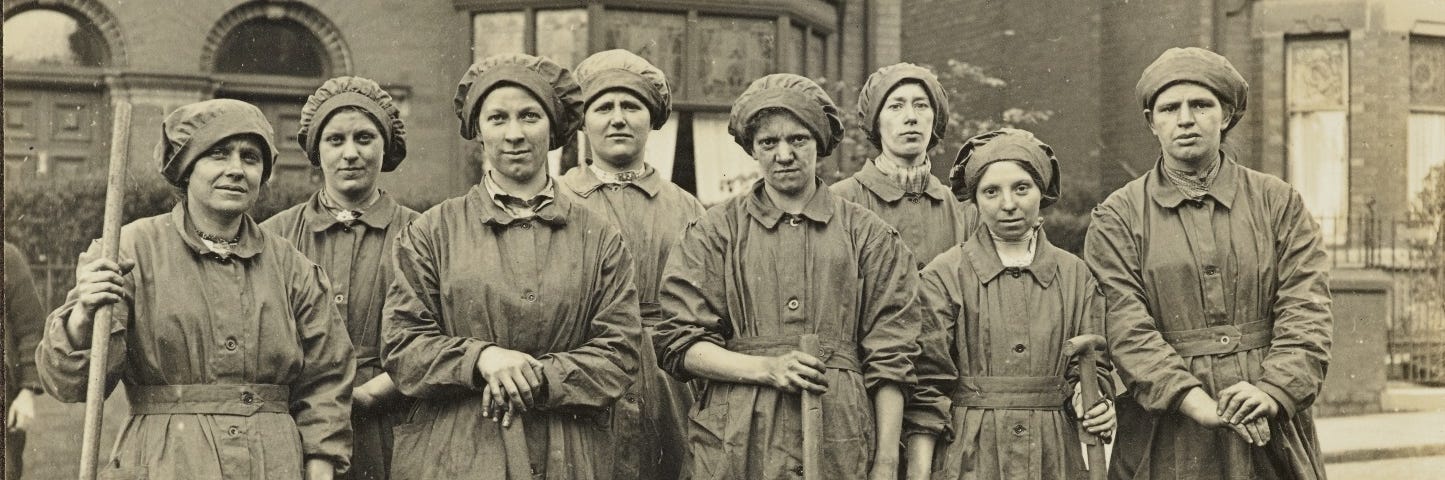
(513, 317)
(350, 129)
(997, 311)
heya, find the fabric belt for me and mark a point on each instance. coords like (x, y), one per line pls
(835, 354)
(1011, 393)
(1221, 339)
(242, 399)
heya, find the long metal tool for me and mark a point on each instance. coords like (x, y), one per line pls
(812, 412)
(1089, 348)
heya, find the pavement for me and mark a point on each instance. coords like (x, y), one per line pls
(1383, 436)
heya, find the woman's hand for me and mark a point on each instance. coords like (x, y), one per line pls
(514, 380)
(1243, 402)
(884, 469)
(319, 469)
(21, 411)
(795, 372)
(1100, 419)
(97, 284)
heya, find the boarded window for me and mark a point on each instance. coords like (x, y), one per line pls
(734, 52)
(562, 36)
(497, 33)
(1427, 112)
(1317, 88)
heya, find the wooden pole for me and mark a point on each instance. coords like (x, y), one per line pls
(812, 412)
(1088, 348)
(100, 334)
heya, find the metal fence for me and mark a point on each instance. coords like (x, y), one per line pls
(1411, 250)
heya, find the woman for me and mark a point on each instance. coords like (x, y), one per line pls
(999, 309)
(351, 129)
(1217, 290)
(235, 360)
(906, 112)
(761, 270)
(626, 98)
(23, 318)
(513, 317)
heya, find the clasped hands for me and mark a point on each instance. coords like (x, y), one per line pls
(514, 383)
(1242, 407)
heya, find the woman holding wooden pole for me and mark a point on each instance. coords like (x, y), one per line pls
(236, 362)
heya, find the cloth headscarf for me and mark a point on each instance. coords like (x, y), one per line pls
(553, 86)
(1002, 145)
(882, 82)
(1195, 65)
(798, 95)
(189, 131)
(621, 69)
(342, 92)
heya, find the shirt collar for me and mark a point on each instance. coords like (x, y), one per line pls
(873, 179)
(983, 255)
(553, 212)
(250, 235)
(318, 218)
(1168, 195)
(587, 182)
(818, 209)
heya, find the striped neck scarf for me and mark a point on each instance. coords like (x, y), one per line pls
(1193, 186)
(913, 179)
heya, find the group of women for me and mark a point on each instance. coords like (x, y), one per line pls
(602, 324)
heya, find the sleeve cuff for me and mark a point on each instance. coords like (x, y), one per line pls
(471, 377)
(1286, 403)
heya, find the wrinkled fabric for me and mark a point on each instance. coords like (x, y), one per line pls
(747, 271)
(190, 130)
(882, 82)
(1195, 65)
(1248, 252)
(551, 84)
(930, 222)
(651, 419)
(807, 101)
(263, 316)
(358, 260)
(353, 92)
(621, 69)
(985, 320)
(557, 286)
(24, 319)
(1002, 145)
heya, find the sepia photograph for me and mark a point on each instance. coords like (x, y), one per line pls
(741, 239)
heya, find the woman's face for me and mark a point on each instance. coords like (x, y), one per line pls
(226, 180)
(787, 153)
(616, 124)
(515, 133)
(905, 123)
(1188, 121)
(351, 151)
(1008, 200)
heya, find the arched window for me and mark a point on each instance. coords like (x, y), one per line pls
(45, 36)
(264, 46)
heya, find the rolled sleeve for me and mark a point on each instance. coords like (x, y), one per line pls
(929, 406)
(1294, 368)
(889, 325)
(321, 395)
(692, 296)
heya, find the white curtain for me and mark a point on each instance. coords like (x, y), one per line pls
(1427, 149)
(1319, 167)
(723, 168)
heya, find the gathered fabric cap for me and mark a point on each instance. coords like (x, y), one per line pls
(621, 69)
(191, 130)
(342, 92)
(1001, 145)
(882, 83)
(553, 86)
(798, 95)
(1195, 65)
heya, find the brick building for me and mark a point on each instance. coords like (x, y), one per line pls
(65, 60)
(1347, 96)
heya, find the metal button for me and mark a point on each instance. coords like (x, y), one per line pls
(340, 298)
(631, 398)
(921, 265)
(248, 398)
(1224, 340)
(231, 344)
(1019, 430)
(1211, 270)
(234, 430)
(531, 297)
(793, 303)
(798, 470)
(526, 225)
(915, 198)
(1014, 272)
(794, 221)
(1020, 348)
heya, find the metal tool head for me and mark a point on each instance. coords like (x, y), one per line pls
(1084, 343)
